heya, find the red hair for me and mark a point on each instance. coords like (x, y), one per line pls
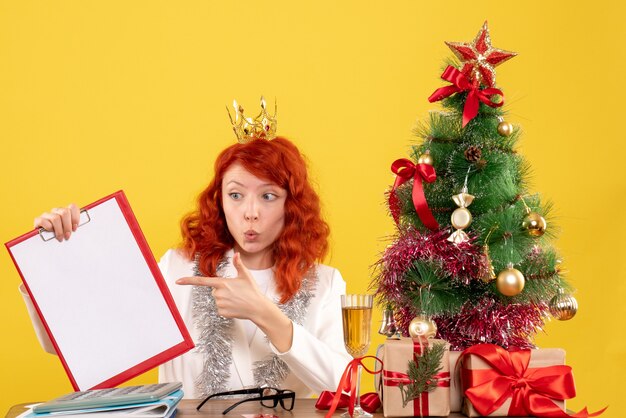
(304, 238)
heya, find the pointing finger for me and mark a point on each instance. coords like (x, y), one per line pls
(201, 281)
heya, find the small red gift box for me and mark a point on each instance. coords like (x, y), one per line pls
(396, 355)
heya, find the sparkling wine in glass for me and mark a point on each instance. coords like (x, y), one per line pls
(356, 311)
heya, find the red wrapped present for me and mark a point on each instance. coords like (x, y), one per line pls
(400, 394)
(498, 382)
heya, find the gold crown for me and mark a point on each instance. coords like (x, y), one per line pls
(248, 129)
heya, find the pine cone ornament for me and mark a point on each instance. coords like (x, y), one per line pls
(473, 154)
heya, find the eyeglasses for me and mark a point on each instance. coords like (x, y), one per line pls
(269, 397)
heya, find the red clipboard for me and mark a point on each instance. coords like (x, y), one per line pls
(101, 296)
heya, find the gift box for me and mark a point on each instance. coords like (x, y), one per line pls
(456, 394)
(497, 382)
(395, 385)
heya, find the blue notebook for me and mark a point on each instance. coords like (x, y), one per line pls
(162, 408)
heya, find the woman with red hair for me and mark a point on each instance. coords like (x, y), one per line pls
(247, 279)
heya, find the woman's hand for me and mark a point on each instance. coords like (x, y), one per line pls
(240, 298)
(61, 221)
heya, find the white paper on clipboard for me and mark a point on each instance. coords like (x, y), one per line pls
(101, 297)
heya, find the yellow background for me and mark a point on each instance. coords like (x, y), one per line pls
(97, 96)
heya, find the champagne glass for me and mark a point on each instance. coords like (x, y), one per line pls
(356, 311)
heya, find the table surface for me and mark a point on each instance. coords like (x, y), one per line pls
(304, 408)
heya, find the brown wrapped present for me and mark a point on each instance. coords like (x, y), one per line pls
(497, 382)
(396, 386)
(456, 394)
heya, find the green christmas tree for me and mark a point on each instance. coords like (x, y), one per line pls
(472, 259)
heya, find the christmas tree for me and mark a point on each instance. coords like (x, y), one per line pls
(472, 260)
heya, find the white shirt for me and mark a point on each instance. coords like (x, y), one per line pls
(317, 357)
(264, 279)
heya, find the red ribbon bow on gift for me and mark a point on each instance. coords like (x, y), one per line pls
(370, 401)
(532, 391)
(405, 170)
(461, 83)
(348, 384)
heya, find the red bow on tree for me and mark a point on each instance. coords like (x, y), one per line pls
(532, 391)
(461, 83)
(405, 170)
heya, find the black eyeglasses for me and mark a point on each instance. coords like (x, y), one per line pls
(269, 397)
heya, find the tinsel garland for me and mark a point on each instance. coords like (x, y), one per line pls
(462, 261)
(490, 321)
(487, 320)
(215, 340)
(216, 346)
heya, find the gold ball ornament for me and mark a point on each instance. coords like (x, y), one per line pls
(461, 218)
(534, 224)
(422, 327)
(563, 307)
(425, 158)
(505, 128)
(510, 281)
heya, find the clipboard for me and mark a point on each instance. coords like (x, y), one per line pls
(101, 296)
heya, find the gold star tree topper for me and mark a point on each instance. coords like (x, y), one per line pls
(479, 58)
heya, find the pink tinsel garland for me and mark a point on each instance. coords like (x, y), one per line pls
(479, 321)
